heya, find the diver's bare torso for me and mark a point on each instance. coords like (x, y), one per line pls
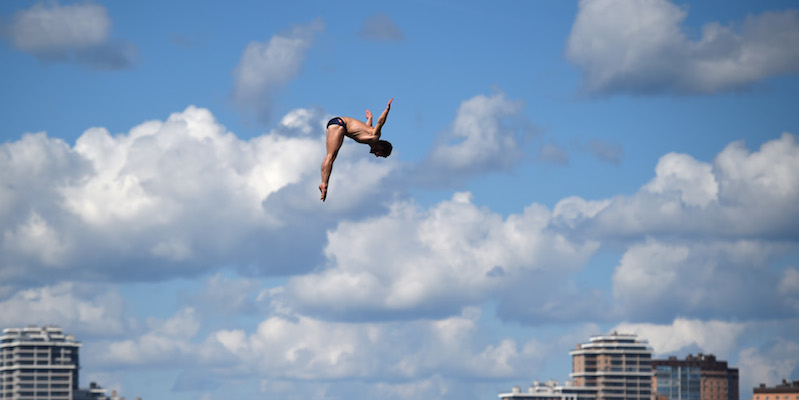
(357, 130)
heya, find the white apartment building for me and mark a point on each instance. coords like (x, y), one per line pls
(38, 363)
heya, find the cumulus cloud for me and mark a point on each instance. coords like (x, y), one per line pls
(657, 280)
(167, 341)
(699, 225)
(75, 32)
(77, 307)
(769, 364)
(691, 180)
(694, 225)
(305, 348)
(487, 135)
(301, 122)
(171, 197)
(641, 47)
(712, 336)
(434, 261)
(296, 347)
(380, 27)
(742, 194)
(266, 67)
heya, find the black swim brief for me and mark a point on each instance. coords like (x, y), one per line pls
(336, 121)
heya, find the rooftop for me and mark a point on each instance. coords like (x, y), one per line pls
(33, 333)
(785, 387)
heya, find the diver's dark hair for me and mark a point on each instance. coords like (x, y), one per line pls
(385, 147)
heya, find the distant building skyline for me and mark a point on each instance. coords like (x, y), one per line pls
(619, 366)
(615, 366)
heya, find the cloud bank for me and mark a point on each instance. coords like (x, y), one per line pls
(642, 47)
(387, 299)
(169, 198)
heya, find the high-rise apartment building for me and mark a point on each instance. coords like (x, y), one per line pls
(699, 377)
(618, 365)
(38, 363)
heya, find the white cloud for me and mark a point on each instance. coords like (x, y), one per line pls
(76, 307)
(297, 347)
(656, 280)
(432, 260)
(265, 67)
(641, 47)
(697, 225)
(769, 364)
(764, 180)
(487, 134)
(572, 210)
(740, 194)
(79, 32)
(713, 336)
(167, 342)
(172, 196)
(689, 228)
(36, 239)
(302, 121)
(305, 348)
(693, 180)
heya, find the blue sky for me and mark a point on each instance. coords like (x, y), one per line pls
(560, 169)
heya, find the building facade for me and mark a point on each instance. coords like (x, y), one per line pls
(699, 377)
(38, 363)
(618, 366)
(785, 391)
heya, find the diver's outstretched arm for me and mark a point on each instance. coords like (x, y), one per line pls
(382, 119)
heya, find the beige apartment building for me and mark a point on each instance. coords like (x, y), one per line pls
(785, 391)
(618, 365)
